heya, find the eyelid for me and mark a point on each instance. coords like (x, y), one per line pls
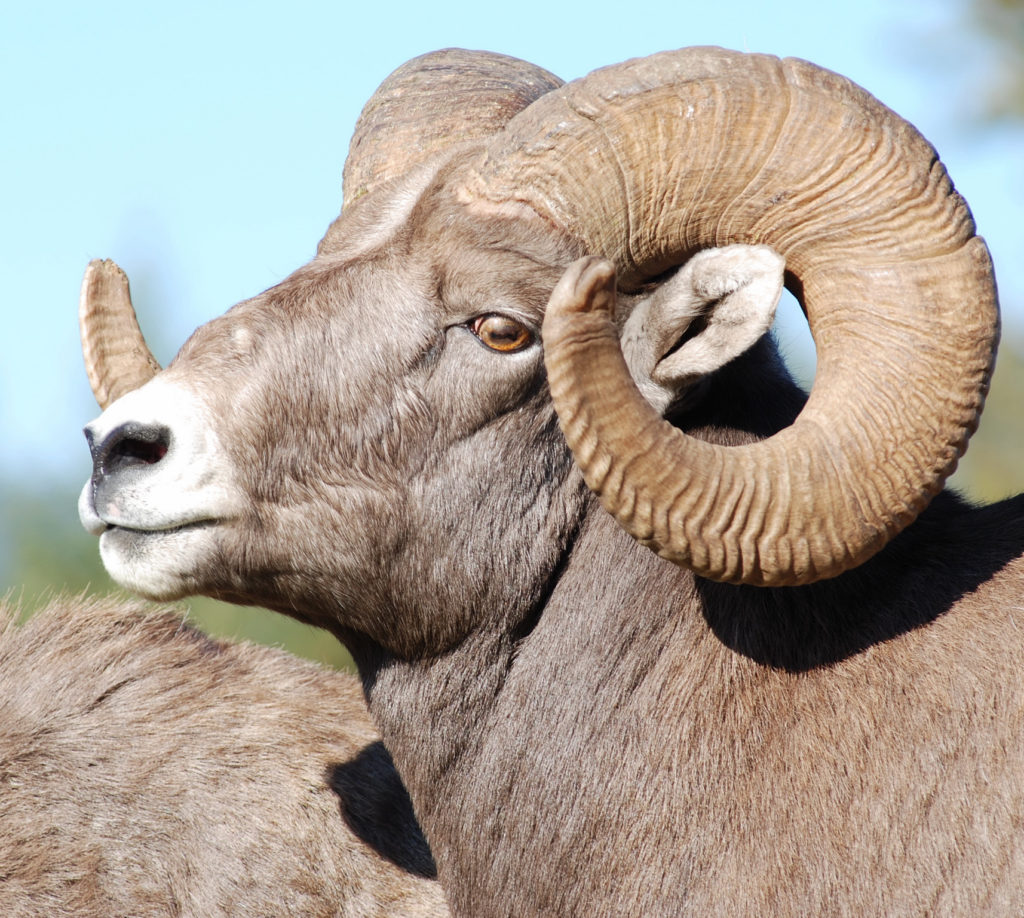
(522, 316)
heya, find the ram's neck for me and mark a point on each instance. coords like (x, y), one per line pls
(500, 726)
(430, 712)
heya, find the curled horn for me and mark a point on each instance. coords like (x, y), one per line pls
(432, 103)
(648, 162)
(117, 359)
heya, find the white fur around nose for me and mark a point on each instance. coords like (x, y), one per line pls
(191, 483)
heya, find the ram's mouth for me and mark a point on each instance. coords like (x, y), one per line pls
(165, 511)
(131, 540)
(159, 563)
(158, 531)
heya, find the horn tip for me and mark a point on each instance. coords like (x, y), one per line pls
(102, 277)
(104, 266)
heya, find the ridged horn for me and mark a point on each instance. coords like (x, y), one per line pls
(652, 160)
(432, 103)
(117, 359)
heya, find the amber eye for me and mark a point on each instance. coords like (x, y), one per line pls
(500, 333)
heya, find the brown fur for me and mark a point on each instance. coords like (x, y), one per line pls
(146, 769)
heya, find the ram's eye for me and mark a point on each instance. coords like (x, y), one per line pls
(500, 333)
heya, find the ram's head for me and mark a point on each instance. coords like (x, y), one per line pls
(375, 435)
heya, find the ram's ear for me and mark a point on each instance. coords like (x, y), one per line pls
(714, 308)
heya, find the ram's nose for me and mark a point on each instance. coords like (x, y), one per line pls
(126, 446)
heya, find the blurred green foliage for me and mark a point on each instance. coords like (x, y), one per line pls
(993, 467)
(1001, 24)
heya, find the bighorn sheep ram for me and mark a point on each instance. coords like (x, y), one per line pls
(148, 770)
(807, 698)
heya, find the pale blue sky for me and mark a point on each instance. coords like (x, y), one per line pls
(201, 144)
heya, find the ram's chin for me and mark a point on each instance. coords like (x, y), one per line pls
(160, 565)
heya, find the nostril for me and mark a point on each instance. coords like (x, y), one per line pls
(131, 444)
(131, 449)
